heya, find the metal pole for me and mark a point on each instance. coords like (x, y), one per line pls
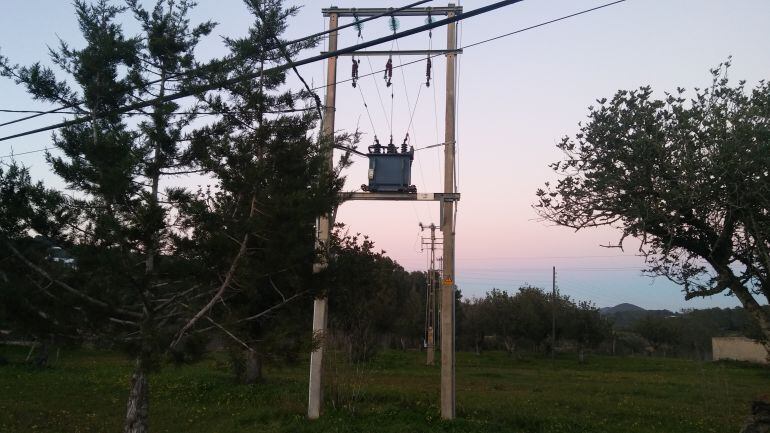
(321, 304)
(447, 227)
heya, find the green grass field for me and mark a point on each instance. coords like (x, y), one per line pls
(85, 392)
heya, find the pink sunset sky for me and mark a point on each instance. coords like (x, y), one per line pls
(517, 97)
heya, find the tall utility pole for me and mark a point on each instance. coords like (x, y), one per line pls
(430, 297)
(553, 315)
(446, 199)
(321, 304)
(447, 228)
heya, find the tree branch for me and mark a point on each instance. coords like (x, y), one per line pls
(225, 284)
(67, 287)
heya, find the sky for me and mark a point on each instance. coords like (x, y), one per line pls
(517, 97)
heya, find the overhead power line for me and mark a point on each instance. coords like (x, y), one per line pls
(481, 42)
(11, 155)
(193, 90)
(330, 54)
(356, 22)
(224, 62)
(545, 23)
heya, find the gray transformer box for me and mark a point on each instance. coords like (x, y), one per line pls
(390, 172)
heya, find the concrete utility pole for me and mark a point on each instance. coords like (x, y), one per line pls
(430, 298)
(321, 305)
(446, 199)
(447, 228)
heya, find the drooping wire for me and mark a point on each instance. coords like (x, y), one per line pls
(357, 23)
(368, 114)
(356, 64)
(484, 41)
(413, 111)
(311, 60)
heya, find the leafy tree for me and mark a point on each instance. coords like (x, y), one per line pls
(471, 325)
(687, 177)
(660, 332)
(583, 324)
(515, 320)
(368, 293)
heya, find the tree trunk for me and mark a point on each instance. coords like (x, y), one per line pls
(253, 367)
(138, 406)
(582, 356)
(510, 347)
(757, 312)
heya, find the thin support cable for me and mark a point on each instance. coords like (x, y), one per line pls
(377, 87)
(411, 112)
(368, 114)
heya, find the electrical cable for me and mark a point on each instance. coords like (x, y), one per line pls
(356, 22)
(524, 29)
(368, 114)
(435, 118)
(197, 89)
(11, 155)
(324, 56)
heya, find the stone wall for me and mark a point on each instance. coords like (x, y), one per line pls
(738, 349)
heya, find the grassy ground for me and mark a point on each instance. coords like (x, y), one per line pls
(85, 392)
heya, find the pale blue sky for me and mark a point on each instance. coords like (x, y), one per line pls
(518, 96)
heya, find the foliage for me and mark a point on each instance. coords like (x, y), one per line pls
(659, 332)
(371, 296)
(687, 177)
(153, 262)
(524, 320)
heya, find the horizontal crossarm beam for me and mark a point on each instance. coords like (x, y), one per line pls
(400, 196)
(399, 53)
(367, 12)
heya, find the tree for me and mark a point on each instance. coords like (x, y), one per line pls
(583, 324)
(660, 332)
(688, 178)
(153, 261)
(120, 232)
(271, 183)
(30, 207)
(375, 301)
(471, 327)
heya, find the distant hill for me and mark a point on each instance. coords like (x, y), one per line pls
(625, 315)
(620, 308)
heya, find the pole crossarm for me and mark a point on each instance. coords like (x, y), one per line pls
(400, 196)
(399, 53)
(367, 12)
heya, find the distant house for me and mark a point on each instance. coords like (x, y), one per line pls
(738, 349)
(58, 255)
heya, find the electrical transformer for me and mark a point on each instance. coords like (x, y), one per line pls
(390, 171)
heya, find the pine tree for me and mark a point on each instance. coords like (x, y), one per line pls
(154, 263)
(255, 226)
(119, 228)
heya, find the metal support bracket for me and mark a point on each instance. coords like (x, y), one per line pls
(367, 12)
(398, 53)
(400, 196)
